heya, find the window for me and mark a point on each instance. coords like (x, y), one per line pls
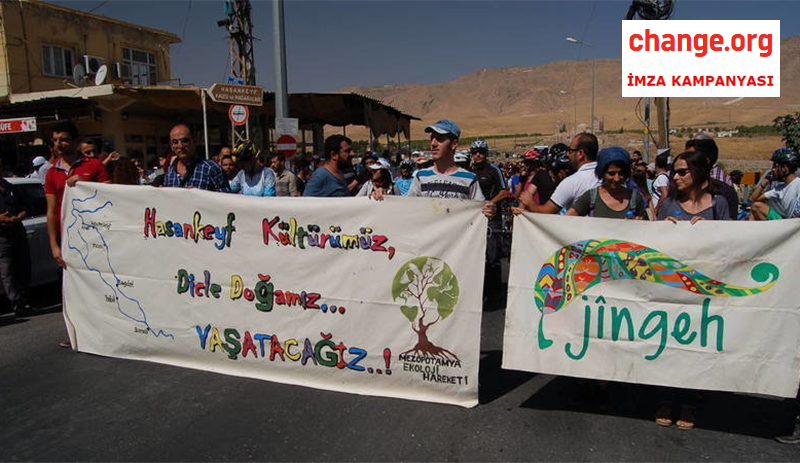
(142, 65)
(56, 61)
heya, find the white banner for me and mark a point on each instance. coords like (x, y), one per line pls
(350, 295)
(707, 306)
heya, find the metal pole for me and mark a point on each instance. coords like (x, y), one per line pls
(647, 129)
(591, 121)
(205, 120)
(279, 52)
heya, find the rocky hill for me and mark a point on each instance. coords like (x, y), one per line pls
(543, 98)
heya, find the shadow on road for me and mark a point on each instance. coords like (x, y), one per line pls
(496, 382)
(727, 412)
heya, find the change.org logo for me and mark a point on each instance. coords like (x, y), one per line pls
(575, 268)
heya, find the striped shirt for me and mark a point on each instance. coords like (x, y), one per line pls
(461, 184)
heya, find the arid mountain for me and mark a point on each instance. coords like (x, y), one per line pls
(541, 99)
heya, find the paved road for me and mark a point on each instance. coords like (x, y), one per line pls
(61, 405)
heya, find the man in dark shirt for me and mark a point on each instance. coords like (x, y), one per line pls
(15, 264)
(494, 189)
(191, 170)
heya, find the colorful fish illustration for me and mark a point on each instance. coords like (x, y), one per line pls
(575, 268)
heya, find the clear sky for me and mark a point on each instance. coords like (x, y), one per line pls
(335, 44)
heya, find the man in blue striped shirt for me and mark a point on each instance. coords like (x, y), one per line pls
(445, 179)
(191, 170)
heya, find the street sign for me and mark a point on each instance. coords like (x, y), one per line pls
(287, 125)
(286, 145)
(22, 124)
(233, 80)
(238, 114)
(237, 94)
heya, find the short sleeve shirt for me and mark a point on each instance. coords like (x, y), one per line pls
(583, 206)
(89, 169)
(671, 207)
(783, 197)
(575, 185)
(662, 180)
(203, 174)
(490, 180)
(323, 183)
(461, 184)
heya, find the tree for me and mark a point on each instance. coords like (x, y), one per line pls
(427, 288)
(789, 128)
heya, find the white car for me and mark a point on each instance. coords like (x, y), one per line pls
(44, 269)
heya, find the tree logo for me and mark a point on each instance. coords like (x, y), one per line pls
(424, 285)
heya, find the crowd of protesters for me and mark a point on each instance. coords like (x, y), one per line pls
(578, 179)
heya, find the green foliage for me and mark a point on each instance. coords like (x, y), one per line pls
(431, 276)
(410, 311)
(445, 293)
(789, 128)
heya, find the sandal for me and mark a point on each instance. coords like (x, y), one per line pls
(687, 418)
(664, 414)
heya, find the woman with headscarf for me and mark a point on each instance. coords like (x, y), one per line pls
(613, 199)
(253, 179)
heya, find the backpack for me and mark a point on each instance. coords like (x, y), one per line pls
(594, 195)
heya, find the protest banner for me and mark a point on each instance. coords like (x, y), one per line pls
(350, 295)
(707, 306)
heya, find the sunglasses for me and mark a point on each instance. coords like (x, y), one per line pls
(479, 151)
(569, 150)
(184, 140)
(680, 172)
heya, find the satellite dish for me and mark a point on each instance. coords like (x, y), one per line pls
(79, 75)
(100, 77)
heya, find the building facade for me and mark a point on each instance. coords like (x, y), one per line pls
(41, 44)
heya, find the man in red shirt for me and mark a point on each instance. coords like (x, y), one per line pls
(68, 167)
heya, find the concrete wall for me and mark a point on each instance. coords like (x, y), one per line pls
(28, 25)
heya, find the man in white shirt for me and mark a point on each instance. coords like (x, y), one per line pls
(582, 153)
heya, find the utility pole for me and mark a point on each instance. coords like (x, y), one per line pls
(279, 43)
(241, 59)
(240, 28)
(591, 115)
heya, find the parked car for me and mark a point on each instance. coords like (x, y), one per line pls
(44, 269)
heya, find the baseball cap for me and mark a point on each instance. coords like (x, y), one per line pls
(444, 127)
(38, 161)
(380, 164)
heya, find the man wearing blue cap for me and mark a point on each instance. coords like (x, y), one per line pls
(445, 179)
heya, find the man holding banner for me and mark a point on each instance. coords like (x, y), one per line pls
(582, 153)
(445, 179)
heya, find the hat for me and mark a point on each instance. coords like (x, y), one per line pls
(444, 127)
(380, 164)
(38, 161)
(608, 155)
(532, 155)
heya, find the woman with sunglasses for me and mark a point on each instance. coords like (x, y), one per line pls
(613, 199)
(690, 197)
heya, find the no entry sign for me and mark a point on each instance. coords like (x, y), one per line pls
(23, 124)
(238, 114)
(286, 145)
